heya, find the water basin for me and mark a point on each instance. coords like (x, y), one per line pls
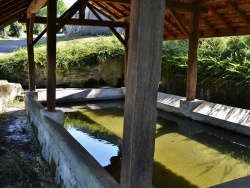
(187, 153)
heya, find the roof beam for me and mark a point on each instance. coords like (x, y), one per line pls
(209, 2)
(169, 4)
(35, 6)
(179, 22)
(110, 27)
(208, 25)
(240, 14)
(222, 20)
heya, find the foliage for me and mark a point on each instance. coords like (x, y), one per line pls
(76, 52)
(61, 8)
(2, 32)
(15, 29)
(227, 58)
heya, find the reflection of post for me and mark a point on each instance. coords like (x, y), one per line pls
(30, 48)
(126, 54)
(144, 63)
(51, 56)
(192, 56)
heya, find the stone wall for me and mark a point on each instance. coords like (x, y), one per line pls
(105, 72)
(8, 92)
(110, 72)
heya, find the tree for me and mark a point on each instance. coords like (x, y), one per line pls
(15, 29)
(61, 8)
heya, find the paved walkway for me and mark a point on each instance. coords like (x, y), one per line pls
(11, 45)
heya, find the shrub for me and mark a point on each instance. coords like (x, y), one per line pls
(15, 29)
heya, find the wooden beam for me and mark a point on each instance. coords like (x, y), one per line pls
(101, 12)
(40, 36)
(169, 4)
(105, 9)
(222, 20)
(30, 48)
(114, 1)
(208, 25)
(140, 113)
(111, 28)
(209, 2)
(60, 21)
(72, 10)
(35, 6)
(126, 55)
(192, 56)
(51, 55)
(80, 22)
(239, 13)
(179, 22)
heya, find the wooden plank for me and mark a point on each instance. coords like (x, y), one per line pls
(140, 114)
(82, 22)
(192, 56)
(35, 6)
(30, 48)
(51, 56)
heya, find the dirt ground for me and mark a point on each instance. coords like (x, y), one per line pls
(21, 164)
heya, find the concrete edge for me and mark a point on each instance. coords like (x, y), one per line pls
(72, 164)
(188, 111)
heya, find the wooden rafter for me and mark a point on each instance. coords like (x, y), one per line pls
(101, 12)
(117, 12)
(105, 9)
(110, 27)
(240, 14)
(80, 22)
(35, 6)
(209, 26)
(179, 22)
(209, 2)
(222, 20)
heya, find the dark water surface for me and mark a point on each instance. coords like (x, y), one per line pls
(187, 153)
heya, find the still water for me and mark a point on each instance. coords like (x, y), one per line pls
(187, 153)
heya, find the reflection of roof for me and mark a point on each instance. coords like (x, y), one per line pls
(217, 17)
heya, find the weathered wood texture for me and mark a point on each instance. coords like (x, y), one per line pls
(51, 56)
(30, 48)
(192, 56)
(144, 62)
(126, 55)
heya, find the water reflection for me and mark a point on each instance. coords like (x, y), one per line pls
(101, 150)
(187, 153)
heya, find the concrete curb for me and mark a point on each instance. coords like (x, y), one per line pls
(72, 165)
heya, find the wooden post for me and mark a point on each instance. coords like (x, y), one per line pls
(51, 55)
(126, 55)
(30, 49)
(140, 114)
(192, 56)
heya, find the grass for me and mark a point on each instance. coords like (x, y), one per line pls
(226, 58)
(76, 52)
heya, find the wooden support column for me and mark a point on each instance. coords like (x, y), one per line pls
(126, 54)
(140, 114)
(30, 48)
(51, 55)
(192, 56)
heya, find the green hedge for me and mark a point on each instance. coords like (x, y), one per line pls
(227, 57)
